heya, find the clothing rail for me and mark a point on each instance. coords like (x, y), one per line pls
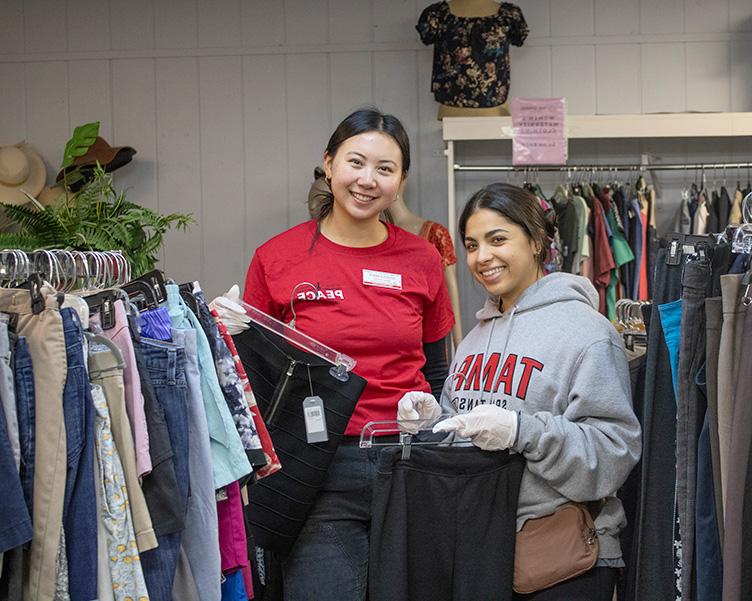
(602, 168)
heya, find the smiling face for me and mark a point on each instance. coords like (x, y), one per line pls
(500, 255)
(366, 175)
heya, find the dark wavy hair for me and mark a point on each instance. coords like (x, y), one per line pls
(360, 122)
(518, 206)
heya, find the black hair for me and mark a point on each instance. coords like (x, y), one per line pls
(362, 121)
(518, 206)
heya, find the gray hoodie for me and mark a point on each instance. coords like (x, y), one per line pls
(559, 363)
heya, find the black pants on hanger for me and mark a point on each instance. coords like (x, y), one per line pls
(443, 525)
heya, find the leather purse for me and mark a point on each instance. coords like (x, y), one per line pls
(555, 548)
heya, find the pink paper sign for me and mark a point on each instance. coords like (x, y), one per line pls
(538, 131)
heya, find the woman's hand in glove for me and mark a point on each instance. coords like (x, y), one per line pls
(230, 311)
(415, 406)
(488, 426)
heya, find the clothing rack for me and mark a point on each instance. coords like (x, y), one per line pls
(602, 168)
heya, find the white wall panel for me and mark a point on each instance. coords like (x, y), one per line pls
(665, 16)
(13, 103)
(175, 24)
(350, 76)
(617, 17)
(430, 200)
(219, 24)
(395, 92)
(222, 162)
(308, 127)
(266, 161)
(306, 22)
(708, 81)
(11, 27)
(350, 21)
(45, 25)
(740, 15)
(88, 25)
(47, 127)
(572, 17)
(263, 23)
(179, 160)
(618, 79)
(537, 14)
(574, 77)
(134, 123)
(663, 78)
(703, 16)
(132, 25)
(741, 75)
(395, 21)
(89, 95)
(530, 72)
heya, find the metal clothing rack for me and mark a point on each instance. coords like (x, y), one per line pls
(604, 168)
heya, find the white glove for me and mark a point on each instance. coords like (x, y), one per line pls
(415, 406)
(488, 426)
(231, 311)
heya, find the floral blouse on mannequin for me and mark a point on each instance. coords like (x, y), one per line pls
(471, 54)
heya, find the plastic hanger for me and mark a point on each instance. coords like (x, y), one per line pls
(341, 362)
(372, 432)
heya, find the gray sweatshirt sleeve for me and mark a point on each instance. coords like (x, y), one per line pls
(587, 452)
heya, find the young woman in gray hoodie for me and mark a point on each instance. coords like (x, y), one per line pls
(542, 374)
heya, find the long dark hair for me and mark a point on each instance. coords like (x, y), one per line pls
(518, 206)
(360, 122)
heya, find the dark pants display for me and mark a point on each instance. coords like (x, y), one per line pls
(741, 443)
(690, 409)
(79, 505)
(595, 585)
(282, 376)
(165, 363)
(443, 525)
(652, 575)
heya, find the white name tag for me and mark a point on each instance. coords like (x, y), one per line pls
(382, 279)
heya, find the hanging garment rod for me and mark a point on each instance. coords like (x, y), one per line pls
(575, 168)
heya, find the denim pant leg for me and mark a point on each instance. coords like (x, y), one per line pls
(165, 363)
(79, 506)
(690, 409)
(330, 557)
(25, 402)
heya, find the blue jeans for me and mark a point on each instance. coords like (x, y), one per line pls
(79, 505)
(165, 363)
(330, 557)
(25, 404)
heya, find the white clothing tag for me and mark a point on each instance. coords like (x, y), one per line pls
(382, 279)
(315, 420)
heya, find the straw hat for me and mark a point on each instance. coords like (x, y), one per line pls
(21, 170)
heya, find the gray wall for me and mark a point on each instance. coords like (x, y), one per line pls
(230, 102)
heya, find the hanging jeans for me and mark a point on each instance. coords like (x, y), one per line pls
(165, 363)
(444, 524)
(690, 409)
(201, 532)
(23, 375)
(652, 576)
(79, 508)
(46, 342)
(713, 326)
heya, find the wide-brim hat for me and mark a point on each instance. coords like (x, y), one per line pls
(110, 157)
(21, 170)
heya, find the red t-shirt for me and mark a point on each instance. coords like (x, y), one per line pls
(378, 305)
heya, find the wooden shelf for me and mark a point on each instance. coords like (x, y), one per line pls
(666, 125)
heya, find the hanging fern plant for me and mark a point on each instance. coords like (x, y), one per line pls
(95, 218)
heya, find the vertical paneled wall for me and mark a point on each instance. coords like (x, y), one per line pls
(229, 103)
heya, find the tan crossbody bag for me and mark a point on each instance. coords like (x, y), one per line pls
(556, 547)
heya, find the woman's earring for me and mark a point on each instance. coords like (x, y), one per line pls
(328, 180)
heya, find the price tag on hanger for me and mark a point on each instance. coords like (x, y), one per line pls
(315, 419)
